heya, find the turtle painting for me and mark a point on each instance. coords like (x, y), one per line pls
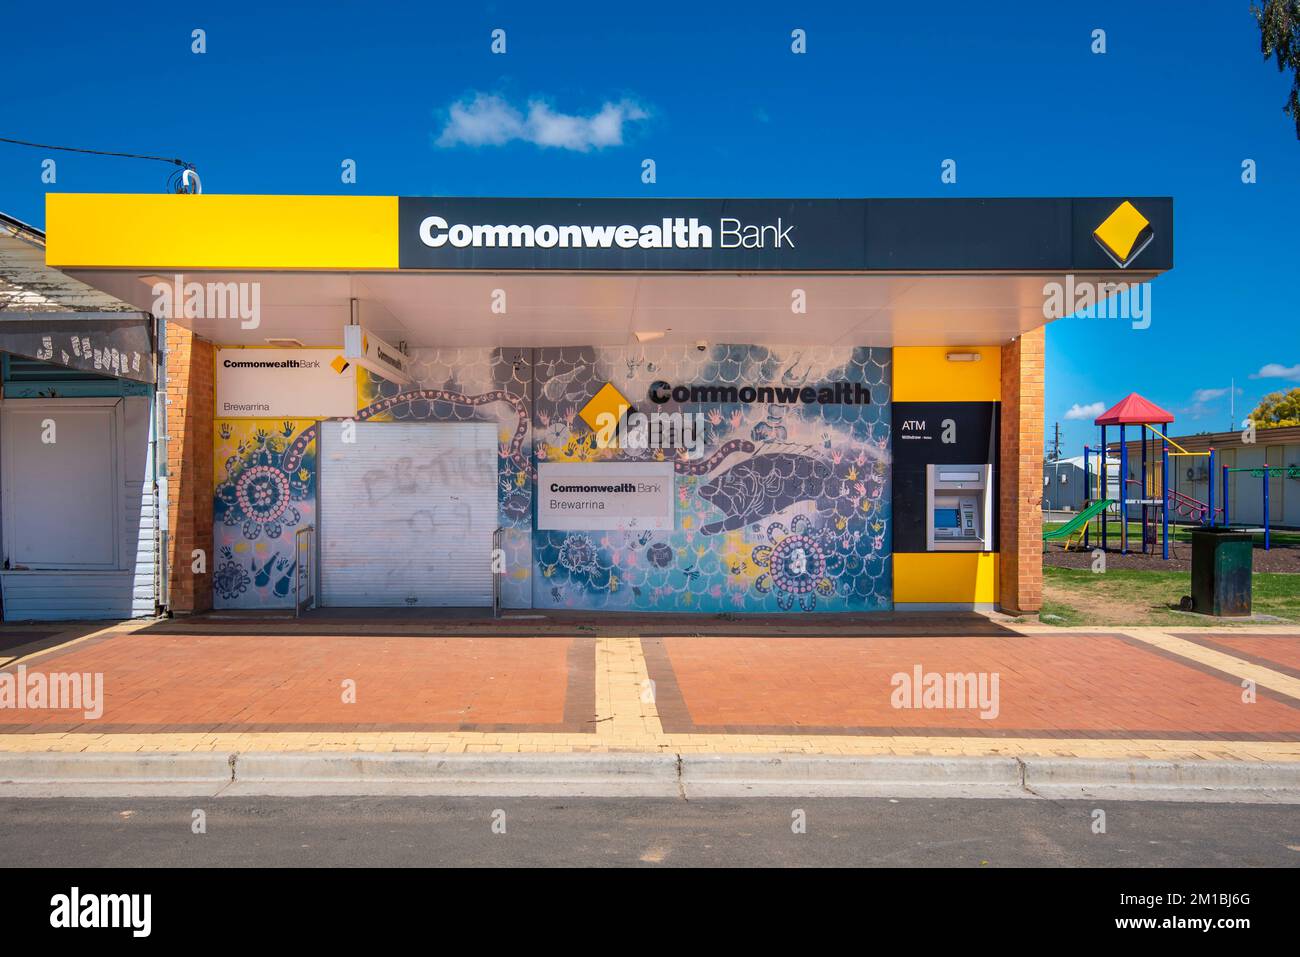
(765, 483)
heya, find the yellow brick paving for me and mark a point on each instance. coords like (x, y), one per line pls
(1263, 677)
(627, 720)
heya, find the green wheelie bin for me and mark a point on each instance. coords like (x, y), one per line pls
(1221, 570)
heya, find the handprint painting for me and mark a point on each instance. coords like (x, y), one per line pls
(787, 509)
(265, 491)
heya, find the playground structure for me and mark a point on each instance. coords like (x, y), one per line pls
(1077, 527)
(1150, 490)
(1264, 473)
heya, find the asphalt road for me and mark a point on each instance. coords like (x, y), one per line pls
(343, 832)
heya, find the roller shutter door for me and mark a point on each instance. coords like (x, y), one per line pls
(407, 514)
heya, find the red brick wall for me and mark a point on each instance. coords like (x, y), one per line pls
(1020, 532)
(191, 403)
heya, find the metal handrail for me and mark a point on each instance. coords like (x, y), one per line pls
(306, 568)
(496, 579)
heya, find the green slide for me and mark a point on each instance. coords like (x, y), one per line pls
(1080, 520)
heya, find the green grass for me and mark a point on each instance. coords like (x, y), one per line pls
(1177, 533)
(1056, 612)
(1077, 597)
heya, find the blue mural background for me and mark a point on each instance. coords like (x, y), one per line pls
(788, 510)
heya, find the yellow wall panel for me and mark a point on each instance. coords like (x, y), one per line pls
(969, 577)
(172, 231)
(924, 374)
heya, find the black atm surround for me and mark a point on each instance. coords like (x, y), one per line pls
(916, 435)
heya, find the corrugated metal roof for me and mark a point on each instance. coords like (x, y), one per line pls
(27, 285)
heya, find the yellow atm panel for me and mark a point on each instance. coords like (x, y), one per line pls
(946, 578)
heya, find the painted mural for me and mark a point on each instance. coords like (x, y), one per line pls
(265, 477)
(788, 509)
(474, 385)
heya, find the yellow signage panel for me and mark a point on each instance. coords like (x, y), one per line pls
(181, 231)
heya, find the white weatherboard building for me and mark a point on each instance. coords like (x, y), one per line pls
(79, 504)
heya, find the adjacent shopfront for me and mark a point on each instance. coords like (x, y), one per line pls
(714, 406)
(79, 522)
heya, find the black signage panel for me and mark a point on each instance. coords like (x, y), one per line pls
(1022, 234)
(944, 433)
(676, 234)
(786, 235)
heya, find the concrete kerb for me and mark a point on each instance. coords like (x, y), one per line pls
(1226, 781)
(713, 775)
(696, 776)
(301, 774)
(521, 775)
(162, 774)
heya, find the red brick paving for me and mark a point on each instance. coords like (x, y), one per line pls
(159, 682)
(1062, 685)
(1058, 685)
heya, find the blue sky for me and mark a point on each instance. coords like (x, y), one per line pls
(712, 92)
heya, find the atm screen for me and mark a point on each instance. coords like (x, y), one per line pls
(947, 518)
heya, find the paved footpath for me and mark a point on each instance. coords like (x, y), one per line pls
(211, 685)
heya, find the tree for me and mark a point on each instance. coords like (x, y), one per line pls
(1277, 409)
(1279, 37)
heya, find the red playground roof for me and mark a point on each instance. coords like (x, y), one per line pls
(1133, 410)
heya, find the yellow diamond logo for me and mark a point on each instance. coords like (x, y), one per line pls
(607, 402)
(1124, 234)
(339, 364)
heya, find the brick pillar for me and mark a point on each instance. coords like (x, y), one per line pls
(1020, 529)
(191, 403)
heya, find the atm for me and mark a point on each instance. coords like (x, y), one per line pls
(959, 508)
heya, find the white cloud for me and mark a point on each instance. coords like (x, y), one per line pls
(1205, 402)
(486, 121)
(1089, 411)
(490, 120)
(1275, 370)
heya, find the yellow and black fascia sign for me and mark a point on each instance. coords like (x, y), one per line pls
(1124, 234)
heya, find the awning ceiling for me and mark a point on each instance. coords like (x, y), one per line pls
(455, 309)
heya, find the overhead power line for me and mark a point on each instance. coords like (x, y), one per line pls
(77, 149)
